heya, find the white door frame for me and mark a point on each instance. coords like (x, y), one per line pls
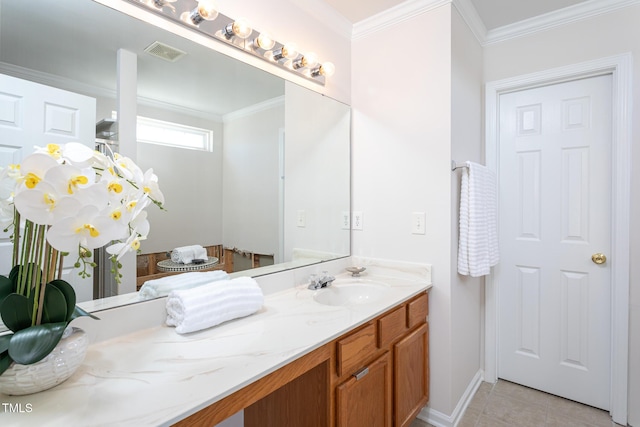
(620, 67)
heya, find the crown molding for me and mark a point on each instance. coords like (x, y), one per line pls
(412, 8)
(253, 109)
(55, 81)
(470, 16)
(95, 91)
(557, 18)
(179, 109)
(395, 15)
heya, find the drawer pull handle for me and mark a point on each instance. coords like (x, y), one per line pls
(361, 373)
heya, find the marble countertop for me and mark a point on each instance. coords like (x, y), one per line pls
(157, 377)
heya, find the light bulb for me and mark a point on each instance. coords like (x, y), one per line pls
(239, 28)
(205, 11)
(308, 60)
(289, 51)
(264, 41)
(242, 29)
(327, 69)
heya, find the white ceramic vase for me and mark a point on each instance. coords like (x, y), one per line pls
(54, 369)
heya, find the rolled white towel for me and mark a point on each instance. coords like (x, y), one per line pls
(209, 305)
(186, 254)
(161, 287)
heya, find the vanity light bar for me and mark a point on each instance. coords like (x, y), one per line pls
(202, 16)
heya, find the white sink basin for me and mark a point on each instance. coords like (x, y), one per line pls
(349, 292)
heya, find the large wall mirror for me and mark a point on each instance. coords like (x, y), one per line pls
(271, 188)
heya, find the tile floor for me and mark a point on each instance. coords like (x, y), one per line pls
(508, 404)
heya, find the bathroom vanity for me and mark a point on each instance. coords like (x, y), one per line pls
(301, 360)
(375, 375)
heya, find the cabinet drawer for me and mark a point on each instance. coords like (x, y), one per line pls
(354, 350)
(391, 326)
(417, 311)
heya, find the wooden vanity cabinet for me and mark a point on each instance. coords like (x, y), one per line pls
(364, 400)
(411, 375)
(402, 339)
(375, 375)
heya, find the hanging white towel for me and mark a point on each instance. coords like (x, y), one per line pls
(478, 243)
(161, 287)
(209, 305)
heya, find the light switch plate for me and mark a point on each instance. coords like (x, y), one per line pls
(418, 222)
(302, 219)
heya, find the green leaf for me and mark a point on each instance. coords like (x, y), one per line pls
(6, 287)
(78, 312)
(5, 361)
(16, 311)
(15, 271)
(55, 306)
(4, 342)
(33, 344)
(13, 274)
(69, 295)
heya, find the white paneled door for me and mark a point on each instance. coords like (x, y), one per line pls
(555, 212)
(33, 114)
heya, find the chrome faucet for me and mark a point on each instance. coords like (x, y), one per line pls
(320, 281)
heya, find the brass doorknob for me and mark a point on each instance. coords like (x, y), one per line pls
(599, 258)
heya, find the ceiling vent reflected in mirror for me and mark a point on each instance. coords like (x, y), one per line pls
(164, 51)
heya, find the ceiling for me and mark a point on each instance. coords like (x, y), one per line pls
(494, 13)
(56, 43)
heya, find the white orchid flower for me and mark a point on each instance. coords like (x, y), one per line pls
(43, 204)
(128, 168)
(87, 199)
(101, 161)
(141, 224)
(150, 187)
(117, 187)
(34, 167)
(132, 244)
(120, 218)
(135, 203)
(87, 229)
(69, 179)
(78, 154)
(9, 177)
(6, 214)
(52, 150)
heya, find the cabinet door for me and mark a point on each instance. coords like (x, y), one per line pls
(364, 400)
(411, 375)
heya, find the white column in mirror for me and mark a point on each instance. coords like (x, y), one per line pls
(127, 101)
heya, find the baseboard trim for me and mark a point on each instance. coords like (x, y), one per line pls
(438, 419)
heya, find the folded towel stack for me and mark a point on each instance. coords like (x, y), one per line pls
(161, 287)
(186, 254)
(209, 305)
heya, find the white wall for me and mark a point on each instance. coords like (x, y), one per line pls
(601, 36)
(251, 179)
(191, 181)
(317, 166)
(467, 294)
(415, 106)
